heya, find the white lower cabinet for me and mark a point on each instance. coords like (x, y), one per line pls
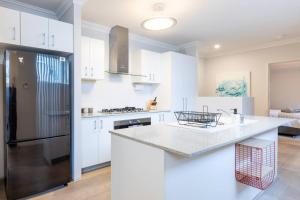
(89, 143)
(104, 141)
(96, 141)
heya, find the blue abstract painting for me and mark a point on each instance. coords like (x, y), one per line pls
(232, 88)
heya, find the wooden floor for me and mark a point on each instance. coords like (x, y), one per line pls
(287, 187)
(96, 185)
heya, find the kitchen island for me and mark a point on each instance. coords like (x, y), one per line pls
(167, 162)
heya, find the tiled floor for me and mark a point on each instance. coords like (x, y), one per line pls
(96, 185)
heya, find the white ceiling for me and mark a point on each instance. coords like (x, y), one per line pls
(45, 4)
(235, 24)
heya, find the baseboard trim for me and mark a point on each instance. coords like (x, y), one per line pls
(95, 167)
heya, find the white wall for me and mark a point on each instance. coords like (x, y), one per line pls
(117, 90)
(284, 88)
(73, 15)
(255, 61)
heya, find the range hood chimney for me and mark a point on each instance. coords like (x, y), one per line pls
(118, 50)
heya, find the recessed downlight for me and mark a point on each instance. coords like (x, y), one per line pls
(217, 46)
(159, 23)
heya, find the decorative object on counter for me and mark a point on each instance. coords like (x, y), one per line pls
(90, 110)
(202, 119)
(233, 84)
(151, 105)
(84, 110)
(255, 163)
(122, 110)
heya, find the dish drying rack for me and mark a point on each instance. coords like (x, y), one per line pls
(202, 119)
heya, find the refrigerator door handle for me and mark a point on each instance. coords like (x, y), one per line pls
(186, 104)
(14, 33)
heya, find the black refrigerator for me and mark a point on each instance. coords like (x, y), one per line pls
(37, 114)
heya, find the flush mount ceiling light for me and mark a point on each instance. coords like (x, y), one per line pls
(160, 22)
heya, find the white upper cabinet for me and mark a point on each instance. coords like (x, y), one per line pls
(149, 65)
(9, 26)
(92, 61)
(97, 58)
(34, 31)
(19, 28)
(184, 81)
(178, 88)
(60, 36)
(85, 59)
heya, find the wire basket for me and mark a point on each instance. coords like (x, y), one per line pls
(202, 119)
(255, 163)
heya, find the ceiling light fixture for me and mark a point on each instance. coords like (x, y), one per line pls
(217, 46)
(159, 22)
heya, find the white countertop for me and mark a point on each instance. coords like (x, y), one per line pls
(100, 114)
(190, 142)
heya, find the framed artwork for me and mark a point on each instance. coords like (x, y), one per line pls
(233, 84)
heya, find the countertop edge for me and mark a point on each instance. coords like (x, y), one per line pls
(153, 145)
(200, 152)
(121, 114)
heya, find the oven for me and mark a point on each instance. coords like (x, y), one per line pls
(129, 123)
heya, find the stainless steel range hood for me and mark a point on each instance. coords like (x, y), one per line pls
(118, 50)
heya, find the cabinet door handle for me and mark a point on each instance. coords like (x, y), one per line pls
(95, 125)
(101, 124)
(163, 116)
(53, 40)
(44, 38)
(14, 33)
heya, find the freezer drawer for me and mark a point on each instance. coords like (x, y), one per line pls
(36, 166)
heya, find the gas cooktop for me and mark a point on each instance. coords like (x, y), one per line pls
(122, 110)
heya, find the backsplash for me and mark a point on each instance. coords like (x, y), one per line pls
(114, 91)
